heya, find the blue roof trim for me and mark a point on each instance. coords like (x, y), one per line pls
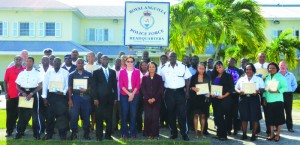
(110, 50)
(36, 46)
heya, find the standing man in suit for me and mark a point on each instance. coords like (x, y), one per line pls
(104, 95)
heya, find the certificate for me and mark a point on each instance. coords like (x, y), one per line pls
(56, 87)
(272, 85)
(24, 103)
(216, 90)
(80, 83)
(264, 72)
(203, 89)
(249, 88)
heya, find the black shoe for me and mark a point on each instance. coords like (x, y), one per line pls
(185, 138)
(173, 136)
(8, 134)
(291, 130)
(244, 137)
(228, 132)
(73, 136)
(235, 132)
(108, 138)
(37, 136)
(18, 136)
(253, 138)
(222, 138)
(47, 137)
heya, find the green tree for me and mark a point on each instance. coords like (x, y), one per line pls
(185, 29)
(285, 45)
(238, 25)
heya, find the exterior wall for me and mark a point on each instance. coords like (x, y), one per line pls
(284, 24)
(65, 18)
(117, 28)
(75, 28)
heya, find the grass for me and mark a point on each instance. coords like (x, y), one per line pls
(136, 142)
(296, 101)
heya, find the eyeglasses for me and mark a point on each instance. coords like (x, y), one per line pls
(129, 61)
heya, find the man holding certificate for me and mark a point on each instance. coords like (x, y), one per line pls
(80, 99)
(28, 84)
(248, 87)
(104, 95)
(276, 85)
(55, 87)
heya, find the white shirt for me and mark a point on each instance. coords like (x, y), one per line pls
(255, 79)
(259, 65)
(105, 70)
(129, 74)
(90, 67)
(51, 76)
(29, 79)
(43, 72)
(174, 78)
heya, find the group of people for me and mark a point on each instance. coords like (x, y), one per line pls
(164, 93)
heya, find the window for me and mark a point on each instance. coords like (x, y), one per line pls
(276, 33)
(24, 29)
(1, 29)
(99, 35)
(296, 33)
(50, 29)
(105, 34)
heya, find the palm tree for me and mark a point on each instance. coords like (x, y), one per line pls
(237, 24)
(285, 45)
(185, 35)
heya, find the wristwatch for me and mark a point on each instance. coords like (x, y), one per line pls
(31, 94)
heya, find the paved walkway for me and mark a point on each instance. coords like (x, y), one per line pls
(286, 137)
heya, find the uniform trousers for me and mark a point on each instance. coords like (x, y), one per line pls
(176, 106)
(288, 105)
(57, 114)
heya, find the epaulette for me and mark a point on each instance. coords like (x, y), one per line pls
(37, 70)
(163, 66)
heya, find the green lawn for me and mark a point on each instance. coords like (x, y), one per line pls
(296, 101)
(135, 142)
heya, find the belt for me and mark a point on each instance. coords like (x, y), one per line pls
(28, 89)
(130, 90)
(80, 94)
(178, 89)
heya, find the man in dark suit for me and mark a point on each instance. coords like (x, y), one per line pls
(104, 95)
(68, 64)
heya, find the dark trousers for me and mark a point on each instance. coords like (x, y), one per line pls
(139, 115)
(266, 120)
(236, 122)
(176, 105)
(151, 127)
(206, 120)
(116, 115)
(288, 104)
(57, 114)
(222, 112)
(82, 107)
(36, 112)
(104, 112)
(11, 114)
(163, 113)
(190, 117)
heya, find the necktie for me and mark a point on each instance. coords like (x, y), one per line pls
(106, 75)
(262, 65)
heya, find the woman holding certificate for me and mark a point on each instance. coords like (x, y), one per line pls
(276, 85)
(200, 84)
(129, 83)
(222, 87)
(248, 87)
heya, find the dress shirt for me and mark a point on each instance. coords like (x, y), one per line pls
(29, 79)
(192, 70)
(291, 81)
(90, 67)
(174, 78)
(51, 76)
(43, 72)
(255, 79)
(259, 65)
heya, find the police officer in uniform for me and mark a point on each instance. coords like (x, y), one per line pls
(28, 84)
(56, 100)
(176, 76)
(80, 100)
